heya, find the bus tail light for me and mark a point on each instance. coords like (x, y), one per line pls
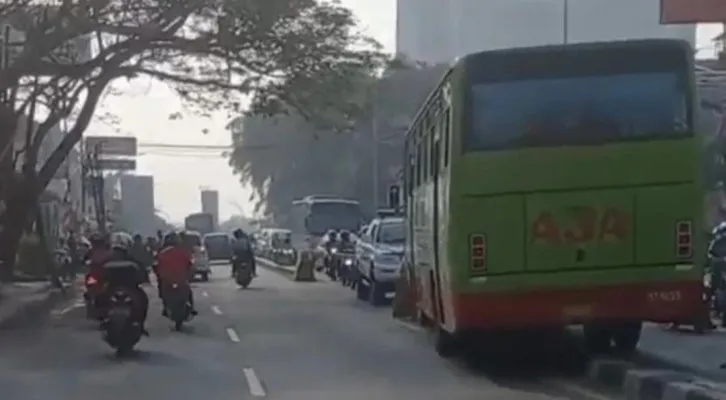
(478, 253)
(684, 239)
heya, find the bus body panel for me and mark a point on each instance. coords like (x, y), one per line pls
(628, 267)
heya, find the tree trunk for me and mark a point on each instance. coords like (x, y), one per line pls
(16, 218)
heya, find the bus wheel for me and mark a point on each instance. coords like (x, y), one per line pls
(597, 338)
(445, 343)
(626, 337)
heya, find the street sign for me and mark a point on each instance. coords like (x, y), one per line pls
(692, 11)
(112, 145)
(117, 164)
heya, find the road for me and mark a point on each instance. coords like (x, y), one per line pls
(279, 340)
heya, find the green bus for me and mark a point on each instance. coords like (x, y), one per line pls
(557, 185)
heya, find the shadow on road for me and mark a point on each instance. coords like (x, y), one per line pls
(558, 356)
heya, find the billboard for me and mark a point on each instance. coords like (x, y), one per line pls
(116, 164)
(692, 11)
(112, 145)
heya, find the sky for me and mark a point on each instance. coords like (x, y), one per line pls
(144, 106)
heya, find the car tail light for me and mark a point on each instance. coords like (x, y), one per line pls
(478, 253)
(91, 281)
(684, 239)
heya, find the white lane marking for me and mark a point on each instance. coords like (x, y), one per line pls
(232, 335)
(577, 389)
(205, 294)
(256, 388)
(216, 310)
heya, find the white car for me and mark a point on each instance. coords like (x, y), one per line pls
(200, 258)
(380, 252)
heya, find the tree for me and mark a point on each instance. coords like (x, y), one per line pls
(285, 54)
(286, 157)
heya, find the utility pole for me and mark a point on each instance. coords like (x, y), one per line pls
(374, 132)
(566, 21)
(93, 180)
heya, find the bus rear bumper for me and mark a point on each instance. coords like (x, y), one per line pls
(657, 302)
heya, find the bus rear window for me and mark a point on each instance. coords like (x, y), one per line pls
(578, 110)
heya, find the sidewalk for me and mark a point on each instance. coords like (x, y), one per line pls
(23, 301)
(702, 354)
(670, 365)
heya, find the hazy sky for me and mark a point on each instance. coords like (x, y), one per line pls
(144, 108)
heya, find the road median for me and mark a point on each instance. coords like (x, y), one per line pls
(303, 271)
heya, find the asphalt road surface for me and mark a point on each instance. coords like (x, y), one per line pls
(277, 340)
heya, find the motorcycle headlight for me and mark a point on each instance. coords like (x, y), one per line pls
(333, 250)
(348, 262)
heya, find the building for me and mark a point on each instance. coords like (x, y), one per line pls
(137, 210)
(210, 204)
(438, 31)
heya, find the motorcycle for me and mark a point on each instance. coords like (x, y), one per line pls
(242, 272)
(330, 264)
(176, 302)
(94, 309)
(121, 332)
(345, 263)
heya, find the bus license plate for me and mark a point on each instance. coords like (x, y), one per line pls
(577, 311)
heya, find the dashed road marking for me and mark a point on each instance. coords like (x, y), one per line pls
(232, 335)
(254, 383)
(216, 310)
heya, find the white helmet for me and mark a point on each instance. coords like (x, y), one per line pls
(121, 240)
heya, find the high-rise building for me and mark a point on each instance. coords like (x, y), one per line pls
(210, 204)
(438, 31)
(137, 204)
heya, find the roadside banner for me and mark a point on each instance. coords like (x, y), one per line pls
(692, 11)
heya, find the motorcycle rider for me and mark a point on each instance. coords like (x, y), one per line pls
(98, 253)
(346, 242)
(331, 243)
(242, 249)
(129, 278)
(141, 253)
(174, 266)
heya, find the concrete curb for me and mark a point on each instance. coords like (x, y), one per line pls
(270, 265)
(37, 307)
(643, 383)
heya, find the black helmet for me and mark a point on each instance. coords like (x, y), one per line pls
(98, 240)
(239, 233)
(171, 239)
(344, 235)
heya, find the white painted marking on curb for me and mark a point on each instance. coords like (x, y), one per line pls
(409, 326)
(216, 310)
(256, 388)
(232, 335)
(577, 389)
(205, 294)
(68, 309)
